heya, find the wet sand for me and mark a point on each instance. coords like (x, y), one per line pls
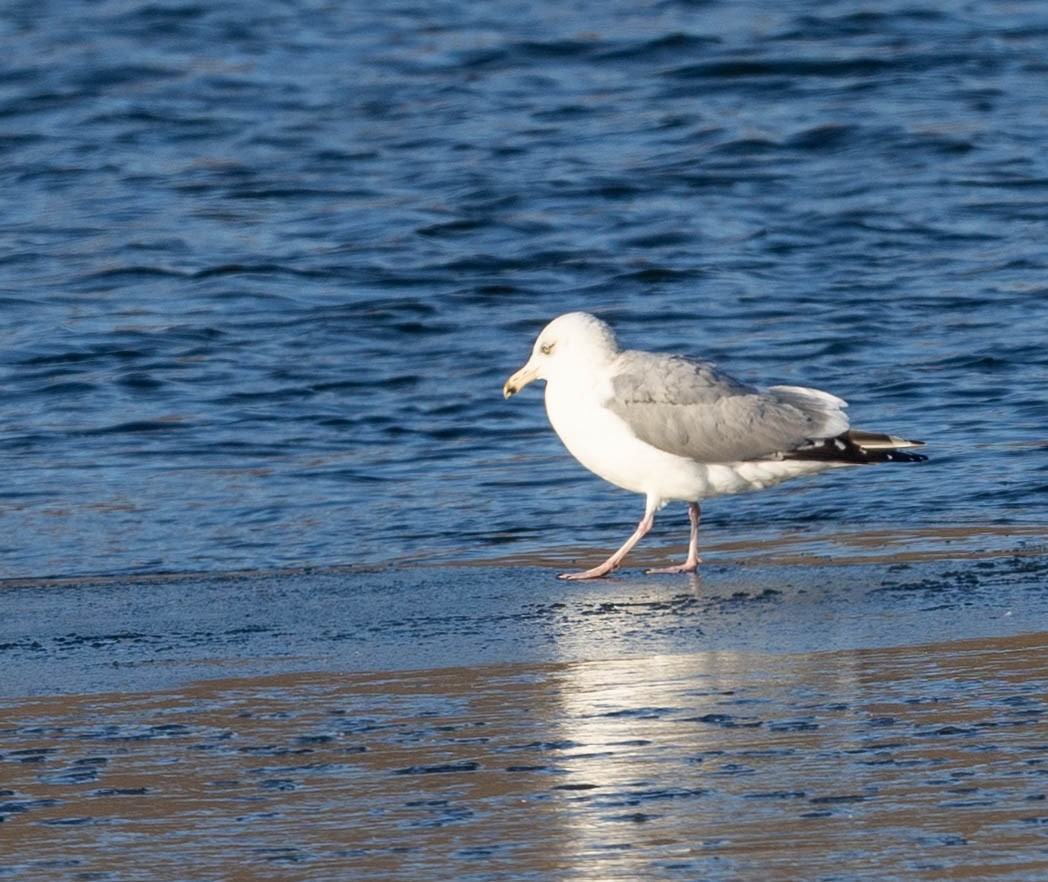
(880, 720)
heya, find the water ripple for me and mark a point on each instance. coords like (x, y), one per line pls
(266, 272)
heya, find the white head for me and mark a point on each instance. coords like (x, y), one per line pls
(573, 340)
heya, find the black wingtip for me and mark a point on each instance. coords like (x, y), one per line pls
(861, 448)
(901, 456)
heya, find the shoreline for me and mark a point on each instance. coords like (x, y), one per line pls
(146, 633)
(758, 721)
(786, 548)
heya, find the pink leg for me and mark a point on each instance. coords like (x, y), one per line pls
(613, 562)
(693, 561)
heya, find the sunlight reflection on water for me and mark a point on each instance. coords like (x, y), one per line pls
(903, 762)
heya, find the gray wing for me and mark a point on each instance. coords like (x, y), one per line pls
(692, 409)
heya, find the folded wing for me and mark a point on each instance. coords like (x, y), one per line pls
(692, 409)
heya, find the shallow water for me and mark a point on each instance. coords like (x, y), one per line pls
(266, 268)
(927, 762)
(149, 634)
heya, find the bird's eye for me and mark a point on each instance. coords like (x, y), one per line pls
(547, 348)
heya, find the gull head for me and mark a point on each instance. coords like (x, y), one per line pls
(575, 342)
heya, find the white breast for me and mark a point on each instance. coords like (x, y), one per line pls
(604, 444)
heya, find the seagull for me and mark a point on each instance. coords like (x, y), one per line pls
(678, 428)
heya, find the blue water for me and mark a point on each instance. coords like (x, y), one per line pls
(266, 266)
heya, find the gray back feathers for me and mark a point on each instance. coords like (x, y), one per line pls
(692, 409)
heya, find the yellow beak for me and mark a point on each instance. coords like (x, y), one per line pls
(519, 380)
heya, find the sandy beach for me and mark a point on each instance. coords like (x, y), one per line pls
(879, 719)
